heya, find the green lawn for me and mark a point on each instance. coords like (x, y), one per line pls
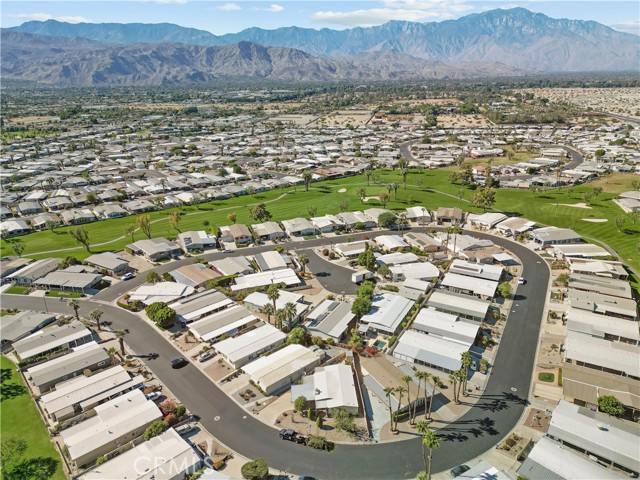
(59, 293)
(428, 188)
(19, 417)
(15, 290)
(546, 377)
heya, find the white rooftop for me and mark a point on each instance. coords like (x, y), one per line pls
(617, 356)
(286, 276)
(429, 349)
(253, 341)
(599, 433)
(478, 286)
(598, 325)
(115, 418)
(387, 312)
(50, 338)
(332, 386)
(161, 292)
(161, 458)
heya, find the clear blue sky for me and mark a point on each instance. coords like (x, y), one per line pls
(232, 16)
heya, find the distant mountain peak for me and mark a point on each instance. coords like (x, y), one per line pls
(516, 37)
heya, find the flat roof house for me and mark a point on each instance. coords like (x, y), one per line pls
(165, 457)
(16, 327)
(196, 241)
(391, 243)
(110, 262)
(154, 249)
(268, 230)
(423, 242)
(223, 322)
(34, 271)
(329, 388)
(116, 423)
(416, 347)
(257, 300)
(195, 275)
(69, 281)
(298, 227)
(271, 260)
(232, 266)
(478, 287)
(486, 220)
(476, 270)
(240, 350)
(90, 356)
(197, 306)
(615, 441)
(420, 215)
(617, 358)
(602, 285)
(602, 326)
(81, 393)
(351, 219)
(555, 236)
(386, 314)
(581, 250)
(328, 223)
(14, 227)
(286, 276)
(330, 319)
(51, 338)
(277, 371)
(351, 249)
(515, 225)
(603, 304)
(418, 270)
(552, 460)
(166, 292)
(240, 233)
(449, 215)
(465, 306)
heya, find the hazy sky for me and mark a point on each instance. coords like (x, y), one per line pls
(232, 16)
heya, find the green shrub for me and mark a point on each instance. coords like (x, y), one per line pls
(320, 443)
(155, 429)
(392, 340)
(258, 469)
(100, 460)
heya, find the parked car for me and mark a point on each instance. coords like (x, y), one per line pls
(153, 395)
(178, 362)
(292, 436)
(459, 470)
(226, 250)
(127, 276)
(203, 357)
(521, 281)
(182, 429)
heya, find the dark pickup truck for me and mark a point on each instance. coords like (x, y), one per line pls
(292, 436)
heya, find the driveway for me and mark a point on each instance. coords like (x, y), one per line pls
(497, 411)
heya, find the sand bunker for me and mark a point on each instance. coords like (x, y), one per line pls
(595, 220)
(342, 190)
(577, 205)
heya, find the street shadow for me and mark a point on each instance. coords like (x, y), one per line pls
(39, 468)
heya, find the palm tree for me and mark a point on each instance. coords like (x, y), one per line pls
(120, 336)
(422, 427)
(279, 315)
(466, 364)
(289, 313)
(430, 440)
(273, 293)
(95, 316)
(400, 391)
(453, 379)
(422, 377)
(75, 304)
(403, 165)
(303, 259)
(268, 311)
(389, 391)
(407, 379)
(436, 383)
(112, 354)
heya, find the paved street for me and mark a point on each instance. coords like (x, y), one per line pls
(489, 420)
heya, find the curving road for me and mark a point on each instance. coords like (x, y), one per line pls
(496, 412)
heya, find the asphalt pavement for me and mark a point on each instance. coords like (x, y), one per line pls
(496, 412)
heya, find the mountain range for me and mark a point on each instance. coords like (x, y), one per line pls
(494, 43)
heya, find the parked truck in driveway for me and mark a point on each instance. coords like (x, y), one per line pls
(359, 277)
(292, 436)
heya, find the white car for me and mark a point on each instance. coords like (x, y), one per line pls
(206, 356)
(127, 276)
(521, 281)
(153, 395)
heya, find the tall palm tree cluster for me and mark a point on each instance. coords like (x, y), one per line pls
(285, 314)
